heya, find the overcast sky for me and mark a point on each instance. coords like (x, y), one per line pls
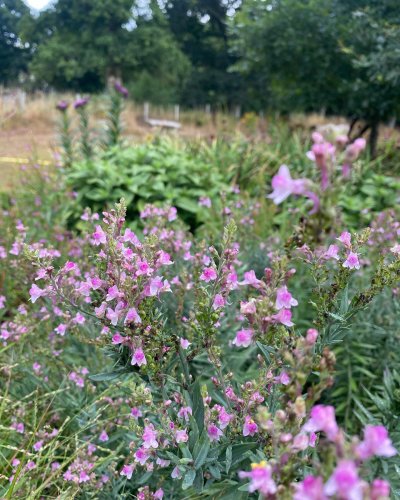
(37, 4)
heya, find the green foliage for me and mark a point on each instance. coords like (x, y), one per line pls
(158, 172)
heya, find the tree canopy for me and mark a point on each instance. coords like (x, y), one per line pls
(341, 56)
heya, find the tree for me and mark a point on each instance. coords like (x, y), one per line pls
(14, 55)
(336, 55)
(81, 43)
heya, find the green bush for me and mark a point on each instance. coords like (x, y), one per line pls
(159, 172)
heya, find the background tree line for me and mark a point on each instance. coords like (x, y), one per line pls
(342, 56)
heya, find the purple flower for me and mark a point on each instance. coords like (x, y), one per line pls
(380, 490)
(127, 470)
(81, 103)
(121, 89)
(219, 302)
(284, 317)
(149, 437)
(62, 105)
(138, 357)
(208, 274)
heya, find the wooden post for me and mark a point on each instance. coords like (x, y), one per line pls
(176, 112)
(146, 111)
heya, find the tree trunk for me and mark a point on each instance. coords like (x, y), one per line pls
(373, 138)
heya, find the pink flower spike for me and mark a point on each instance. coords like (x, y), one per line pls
(352, 261)
(284, 299)
(138, 358)
(243, 338)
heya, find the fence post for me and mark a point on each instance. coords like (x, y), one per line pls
(146, 111)
(176, 112)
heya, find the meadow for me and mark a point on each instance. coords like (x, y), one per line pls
(210, 313)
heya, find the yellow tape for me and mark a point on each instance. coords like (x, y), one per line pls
(6, 159)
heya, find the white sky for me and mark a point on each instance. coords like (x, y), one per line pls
(37, 4)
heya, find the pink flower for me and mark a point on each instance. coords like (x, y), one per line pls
(117, 339)
(376, 442)
(112, 315)
(181, 436)
(164, 258)
(353, 150)
(103, 436)
(283, 378)
(223, 416)
(250, 427)
(243, 338)
(260, 479)
(311, 336)
(61, 329)
(284, 299)
(352, 261)
(283, 185)
(250, 278)
(38, 445)
(208, 274)
(176, 473)
(185, 412)
(248, 307)
(35, 292)
(141, 456)
(323, 419)
(184, 343)
(149, 437)
(99, 236)
(113, 293)
(127, 470)
(312, 488)
(138, 357)
(344, 482)
(300, 442)
(130, 236)
(284, 317)
(132, 316)
(214, 433)
(135, 412)
(219, 302)
(332, 252)
(345, 238)
(159, 494)
(380, 490)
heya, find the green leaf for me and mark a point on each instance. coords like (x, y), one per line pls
(102, 377)
(197, 405)
(200, 451)
(228, 456)
(188, 479)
